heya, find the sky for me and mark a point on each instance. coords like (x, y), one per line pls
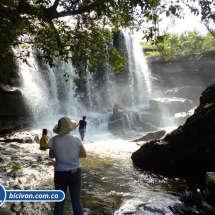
(189, 23)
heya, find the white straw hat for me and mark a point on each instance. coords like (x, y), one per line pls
(65, 125)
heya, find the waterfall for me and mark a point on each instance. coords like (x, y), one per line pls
(46, 92)
(49, 96)
(139, 73)
(130, 88)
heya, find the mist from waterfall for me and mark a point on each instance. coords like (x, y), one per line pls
(46, 92)
(49, 97)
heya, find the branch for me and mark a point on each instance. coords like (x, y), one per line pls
(210, 30)
(59, 43)
(82, 10)
(51, 13)
(56, 3)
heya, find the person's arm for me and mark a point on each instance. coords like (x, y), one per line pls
(51, 153)
(83, 153)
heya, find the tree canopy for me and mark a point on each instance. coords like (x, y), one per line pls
(77, 30)
(174, 46)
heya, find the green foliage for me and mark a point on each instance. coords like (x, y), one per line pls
(77, 31)
(188, 43)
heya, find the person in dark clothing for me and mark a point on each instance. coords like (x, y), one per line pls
(82, 127)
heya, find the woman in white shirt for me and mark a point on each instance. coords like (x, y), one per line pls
(67, 149)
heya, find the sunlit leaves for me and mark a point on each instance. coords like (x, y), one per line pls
(187, 43)
(85, 40)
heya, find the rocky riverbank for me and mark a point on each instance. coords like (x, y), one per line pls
(24, 166)
(188, 149)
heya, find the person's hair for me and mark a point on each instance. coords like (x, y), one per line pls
(84, 117)
(45, 131)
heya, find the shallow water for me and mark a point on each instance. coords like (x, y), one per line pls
(112, 185)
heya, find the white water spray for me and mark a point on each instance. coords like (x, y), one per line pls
(139, 73)
(49, 97)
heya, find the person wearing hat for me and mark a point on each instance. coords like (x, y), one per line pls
(67, 149)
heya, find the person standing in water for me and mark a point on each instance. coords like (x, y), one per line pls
(44, 140)
(82, 127)
(67, 149)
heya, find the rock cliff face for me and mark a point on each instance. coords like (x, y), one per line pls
(13, 111)
(193, 70)
(184, 77)
(190, 149)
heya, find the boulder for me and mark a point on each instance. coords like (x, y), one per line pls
(189, 149)
(210, 181)
(21, 137)
(180, 118)
(116, 126)
(12, 102)
(210, 188)
(138, 124)
(13, 111)
(191, 92)
(170, 106)
(151, 116)
(128, 122)
(150, 136)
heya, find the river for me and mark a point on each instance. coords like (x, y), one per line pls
(112, 185)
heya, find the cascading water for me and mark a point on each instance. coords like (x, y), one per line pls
(46, 92)
(49, 96)
(125, 38)
(139, 82)
(131, 88)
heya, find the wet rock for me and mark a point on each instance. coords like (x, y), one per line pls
(210, 188)
(128, 122)
(116, 126)
(169, 106)
(11, 101)
(191, 92)
(21, 137)
(189, 149)
(138, 125)
(150, 136)
(32, 208)
(180, 118)
(13, 110)
(151, 116)
(210, 181)
(190, 195)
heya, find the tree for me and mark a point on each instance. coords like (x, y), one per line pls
(76, 30)
(174, 46)
(206, 9)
